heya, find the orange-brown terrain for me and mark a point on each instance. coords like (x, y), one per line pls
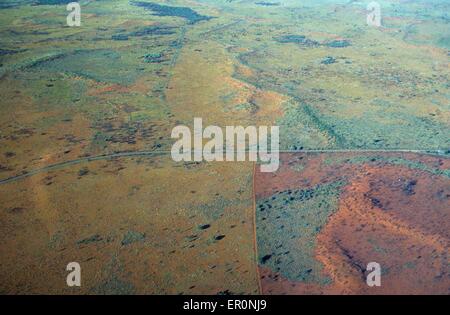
(86, 174)
(115, 218)
(391, 208)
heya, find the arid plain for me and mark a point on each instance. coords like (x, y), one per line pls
(86, 175)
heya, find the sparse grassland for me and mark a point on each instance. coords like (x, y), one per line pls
(77, 102)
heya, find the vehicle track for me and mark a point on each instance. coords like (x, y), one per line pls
(160, 152)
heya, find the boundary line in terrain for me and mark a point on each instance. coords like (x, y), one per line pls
(165, 152)
(255, 235)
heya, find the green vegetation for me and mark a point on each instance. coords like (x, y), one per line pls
(287, 225)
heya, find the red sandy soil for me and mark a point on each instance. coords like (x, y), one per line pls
(390, 214)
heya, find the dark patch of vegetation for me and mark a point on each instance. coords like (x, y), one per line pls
(164, 10)
(306, 42)
(376, 202)
(328, 60)
(268, 4)
(153, 30)
(204, 226)
(409, 187)
(4, 52)
(132, 237)
(44, 60)
(219, 237)
(287, 197)
(83, 171)
(33, 32)
(52, 2)
(265, 258)
(119, 37)
(338, 43)
(297, 39)
(91, 239)
(154, 58)
(7, 4)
